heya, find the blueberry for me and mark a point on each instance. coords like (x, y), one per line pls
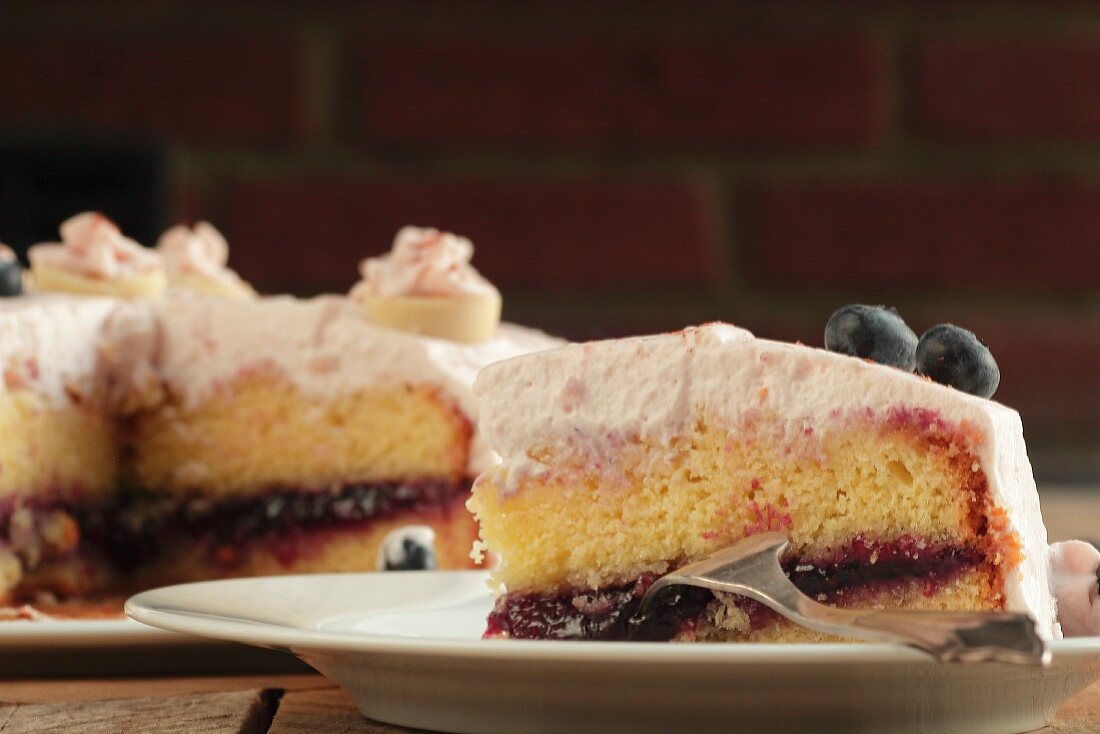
(11, 278)
(954, 356)
(872, 332)
(410, 548)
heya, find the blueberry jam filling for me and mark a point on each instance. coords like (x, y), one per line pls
(606, 614)
(611, 613)
(132, 531)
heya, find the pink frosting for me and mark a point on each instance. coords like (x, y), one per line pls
(92, 246)
(7, 254)
(199, 252)
(423, 262)
(1073, 566)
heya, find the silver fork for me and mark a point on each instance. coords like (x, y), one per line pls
(751, 568)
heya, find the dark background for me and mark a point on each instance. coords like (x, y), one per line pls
(621, 167)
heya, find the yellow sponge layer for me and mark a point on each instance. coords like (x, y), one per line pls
(976, 590)
(44, 449)
(262, 432)
(650, 506)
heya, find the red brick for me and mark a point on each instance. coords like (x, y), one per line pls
(218, 90)
(1010, 90)
(926, 235)
(1048, 369)
(800, 92)
(309, 234)
(187, 202)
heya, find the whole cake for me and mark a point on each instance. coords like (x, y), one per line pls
(624, 459)
(167, 424)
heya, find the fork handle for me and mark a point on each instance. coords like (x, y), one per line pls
(949, 636)
(964, 636)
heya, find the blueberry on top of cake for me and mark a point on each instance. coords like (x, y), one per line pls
(955, 356)
(11, 273)
(876, 333)
(623, 459)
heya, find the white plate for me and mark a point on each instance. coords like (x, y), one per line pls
(120, 646)
(407, 646)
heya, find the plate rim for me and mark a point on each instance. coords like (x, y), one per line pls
(66, 634)
(143, 608)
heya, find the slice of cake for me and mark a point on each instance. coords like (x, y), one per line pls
(297, 435)
(294, 435)
(174, 426)
(624, 459)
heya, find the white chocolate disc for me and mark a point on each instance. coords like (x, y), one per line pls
(465, 319)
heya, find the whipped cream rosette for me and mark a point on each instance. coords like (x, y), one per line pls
(196, 258)
(95, 258)
(426, 285)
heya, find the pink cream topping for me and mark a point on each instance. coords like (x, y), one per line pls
(1073, 566)
(92, 246)
(7, 254)
(423, 262)
(199, 252)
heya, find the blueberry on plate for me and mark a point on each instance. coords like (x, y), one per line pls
(11, 278)
(954, 356)
(872, 332)
(409, 548)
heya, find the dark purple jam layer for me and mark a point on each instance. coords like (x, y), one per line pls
(607, 614)
(133, 531)
(612, 613)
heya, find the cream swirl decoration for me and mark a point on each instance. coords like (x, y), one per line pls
(197, 258)
(95, 258)
(93, 246)
(427, 286)
(424, 262)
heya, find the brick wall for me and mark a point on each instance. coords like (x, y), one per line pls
(633, 166)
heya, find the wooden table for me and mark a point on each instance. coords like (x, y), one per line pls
(253, 705)
(284, 704)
